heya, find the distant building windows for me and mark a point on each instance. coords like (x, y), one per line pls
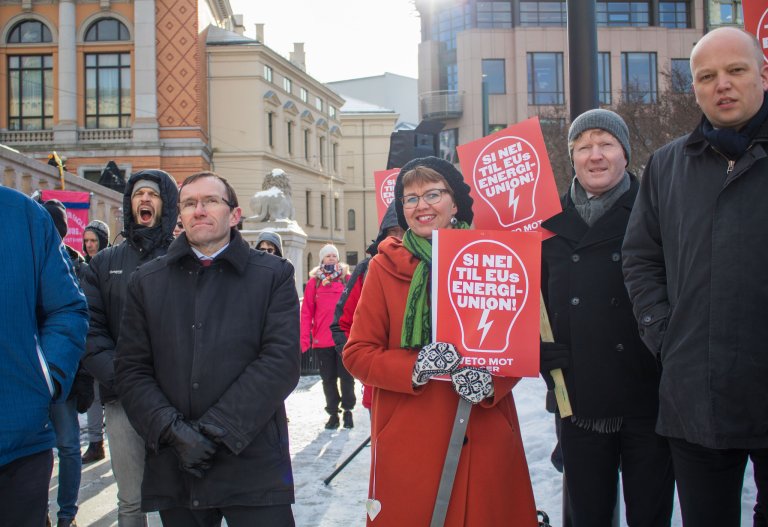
(30, 97)
(622, 14)
(270, 129)
(289, 132)
(493, 76)
(673, 14)
(308, 206)
(639, 77)
(29, 32)
(545, 78)
(726, 12)
(319, 104)
(451, 73)
(351, 220)
(542, 14)
(323, 218)
(336, 224)
(107, 90)
(267, 73)
(306, 144)
(332, 112)
(449, 140)
(493, 15)
(449, 21)
(304, 95)
(335, 157)
(321, 151)
(604, 78)
(680, 80)
(287, 84)
(107, 29)
(352, 258)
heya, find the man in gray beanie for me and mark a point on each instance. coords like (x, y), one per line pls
(611, 378)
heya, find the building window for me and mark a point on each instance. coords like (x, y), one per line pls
(303, 95)
(306, 144)
(451, 81)
(448, 22)
(308, 205)
(107, 29)
(352, 258)
(287, 84)
(620, 14)
(335, 160)
(289, 130)
(332, 112)
(336, 225)
(493, 128)
(321, 151)
(319, 103)
(726, 12)
(107, 90)
(493, 76)
(323, 219)
(29, 32)
(492, 15)
(449, 140)
(267, 73)
(351, 217)
(309, 262)
(541, 14)
(604, 77)
(270, 128)
(680, 80)
(638, 74)
(545, 78)
(30, 97)
(673, 14)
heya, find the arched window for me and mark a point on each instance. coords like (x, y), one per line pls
(107, 29)
(309, 262)
(29, 32)
(351, 219)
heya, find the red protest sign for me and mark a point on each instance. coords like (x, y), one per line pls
(77, 204)
(756, 21)
(485, 290)
(511, 179)
(385, 189)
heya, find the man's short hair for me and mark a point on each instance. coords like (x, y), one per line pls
(231, 195)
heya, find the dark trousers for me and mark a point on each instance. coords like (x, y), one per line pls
(24, 490)
(709, 484)
(273, 516)
(592, 461)
(333, 373)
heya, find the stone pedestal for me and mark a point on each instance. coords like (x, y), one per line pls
(294, 241)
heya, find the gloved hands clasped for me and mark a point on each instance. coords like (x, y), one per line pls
(192, 447)
(442, 358)
(552, 356)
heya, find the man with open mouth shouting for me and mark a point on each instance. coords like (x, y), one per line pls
(149, 216)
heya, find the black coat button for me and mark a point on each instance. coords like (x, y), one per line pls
(575, 301)
(619, 347)
(616, 257)
(575, 258)
(615, 302)
(195, 385)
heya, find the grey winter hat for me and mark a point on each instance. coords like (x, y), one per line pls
(606, 120)
(101, 230)
(145, 183)
(273, 238)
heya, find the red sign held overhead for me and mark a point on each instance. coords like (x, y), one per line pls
(486, 301)
(756, 21)
(77, 205)
(511, 179)
(385, 189)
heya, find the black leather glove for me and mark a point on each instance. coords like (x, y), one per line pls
(82, 391)
(436, 358)
(212, 432)
(552, 356)
(472, 384)
(193, 448)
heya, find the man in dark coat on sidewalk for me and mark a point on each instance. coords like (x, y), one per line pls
(696, 267)
(611, 378)
(208, 354)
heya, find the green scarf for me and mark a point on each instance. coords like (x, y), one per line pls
(417, 323)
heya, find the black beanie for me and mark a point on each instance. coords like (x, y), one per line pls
(59, 214)
(453, 177)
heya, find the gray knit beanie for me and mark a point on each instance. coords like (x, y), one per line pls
(606, 120)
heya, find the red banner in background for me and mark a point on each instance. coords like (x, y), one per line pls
(385, 189)
(77, 204)
(485, 291)
(511, 178)
(756, 21)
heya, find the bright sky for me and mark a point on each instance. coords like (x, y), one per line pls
(343, 39)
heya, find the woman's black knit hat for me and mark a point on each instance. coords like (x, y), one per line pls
(452, 176)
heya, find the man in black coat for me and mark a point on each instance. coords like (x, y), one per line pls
(208, 353)
(611, 378)
(696, 267)
(149, 215)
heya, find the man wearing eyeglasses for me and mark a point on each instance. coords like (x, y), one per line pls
(149, 216)
(209, 352)
(270, 242)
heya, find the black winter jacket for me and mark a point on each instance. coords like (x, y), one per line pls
(106, 279)
(696, 267)
(611, 373)
(217, 345)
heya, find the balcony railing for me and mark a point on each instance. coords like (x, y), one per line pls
(105, 134)
(444, 104)
(26, 136)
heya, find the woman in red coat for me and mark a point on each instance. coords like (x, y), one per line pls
(390, 348)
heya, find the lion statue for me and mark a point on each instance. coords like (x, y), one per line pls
(273, 202)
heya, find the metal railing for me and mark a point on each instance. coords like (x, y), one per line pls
(443, 104)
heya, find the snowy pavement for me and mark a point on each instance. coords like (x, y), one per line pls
(316, 452)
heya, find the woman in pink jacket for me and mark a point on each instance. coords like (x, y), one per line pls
(325, 285)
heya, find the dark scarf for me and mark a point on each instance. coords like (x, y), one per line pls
(417, 323)
(592, 209)
(147, 238)
(732, 143)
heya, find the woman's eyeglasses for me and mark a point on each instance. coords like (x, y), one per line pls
(430, 197)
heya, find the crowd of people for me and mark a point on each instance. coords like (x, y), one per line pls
(655, 288)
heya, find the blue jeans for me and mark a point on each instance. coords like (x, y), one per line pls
(67, 428)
